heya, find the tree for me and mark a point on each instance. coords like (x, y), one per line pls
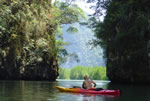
(28, 30)
(124, 35)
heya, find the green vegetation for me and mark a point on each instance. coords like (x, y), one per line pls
(78, 72)
(125, 36)
(28, 31)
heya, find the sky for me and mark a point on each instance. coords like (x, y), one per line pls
(82, 4)
(85, 7)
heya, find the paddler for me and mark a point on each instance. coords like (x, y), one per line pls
(87, 84)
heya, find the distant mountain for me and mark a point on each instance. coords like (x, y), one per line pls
(78, 43)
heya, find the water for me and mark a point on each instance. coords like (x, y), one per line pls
(46, 91)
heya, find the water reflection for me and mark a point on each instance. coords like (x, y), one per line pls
(86, 97)
(26, 90)
(46, 91)
(132, 92)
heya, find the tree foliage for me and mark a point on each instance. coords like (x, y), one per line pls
(31, 37)
(78, 73)
(64, 73)
(125, 35)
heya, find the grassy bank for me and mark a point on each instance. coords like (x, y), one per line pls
(78, 72)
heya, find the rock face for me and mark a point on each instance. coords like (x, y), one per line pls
(28, 41)
(125, 36)
(47, 69)
(129, 66)
(36, 62)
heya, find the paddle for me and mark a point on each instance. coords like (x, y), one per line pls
(76, 87)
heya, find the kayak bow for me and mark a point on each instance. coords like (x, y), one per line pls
(81, 90)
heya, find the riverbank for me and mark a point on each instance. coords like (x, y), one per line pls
(78, 72)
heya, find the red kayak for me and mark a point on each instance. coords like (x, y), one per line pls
(89, 91)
